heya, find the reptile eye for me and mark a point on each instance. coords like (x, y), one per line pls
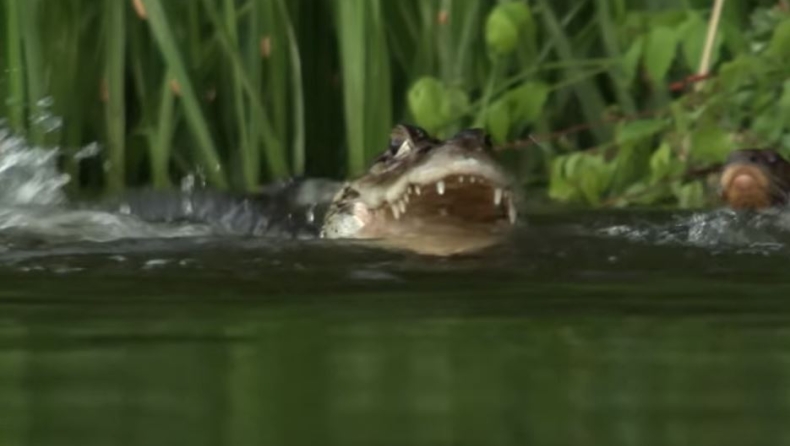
(394, 145)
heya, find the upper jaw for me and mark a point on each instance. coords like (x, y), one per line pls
(443, 162)
(374, 206)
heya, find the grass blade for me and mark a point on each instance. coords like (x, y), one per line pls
(34, 69)
(161, 31)
(297, 95)
(115, 111)
(15, 68)
(272, 147)
(590, 99)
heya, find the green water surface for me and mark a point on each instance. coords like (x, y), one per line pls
(558, 338)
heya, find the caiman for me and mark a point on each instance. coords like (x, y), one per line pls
(754, 179)
(421, 194)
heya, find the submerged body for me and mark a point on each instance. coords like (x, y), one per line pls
(430, 196)
(754, 179)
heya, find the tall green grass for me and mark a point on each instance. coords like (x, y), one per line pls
(247, 91)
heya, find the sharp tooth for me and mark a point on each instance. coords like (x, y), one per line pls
(461, 179)
(402, 206)
(472, 180)
(406, 198)
(440, 187)
(395, 211)
(511, 212)
(417, 190)
(497, 196)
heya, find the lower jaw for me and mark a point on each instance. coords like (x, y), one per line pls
(748, 201)
(443, 241)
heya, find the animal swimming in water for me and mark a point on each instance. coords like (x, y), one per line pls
(421, 194)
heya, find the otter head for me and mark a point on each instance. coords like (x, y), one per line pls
(755, 179)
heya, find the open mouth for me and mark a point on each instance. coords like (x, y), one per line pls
(464, 201)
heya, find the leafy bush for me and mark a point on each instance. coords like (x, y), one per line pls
(244, 91)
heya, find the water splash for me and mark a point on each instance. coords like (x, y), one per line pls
(721, 229)
(33, 202)
(29, 175)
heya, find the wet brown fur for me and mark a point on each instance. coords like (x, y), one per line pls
(755, 179)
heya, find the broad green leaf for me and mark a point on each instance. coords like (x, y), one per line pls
(660, 52)
(527, 101)
(573, 161)
(630, 62)
(640, 129)
(659, 162)
(595, 178)
(501, 32)
(768, 125)
(425, 100)
(645, 194)
(710, 143)
(454, 103)
(690, 195)
(734, 37)
(504, 25)
(693, 33)
(663, 164)
(784, 103)
(560, 188)
(669, 17)
(518, 12)
(780, 41)
(498, 121)
(734, 73)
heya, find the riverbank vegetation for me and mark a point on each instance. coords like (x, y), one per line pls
(241, 92)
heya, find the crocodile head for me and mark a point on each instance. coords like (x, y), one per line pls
(426, 195)
(755, 179)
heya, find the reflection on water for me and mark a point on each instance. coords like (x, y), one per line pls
(155, 361)
(592, 328)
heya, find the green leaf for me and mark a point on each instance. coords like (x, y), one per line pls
(660, 51)
(504, 25)
(518, 12)
(710, 143)
(454, 103)
(425, 100)
(498, 121)
(560, 188)
(780, 41)
(690, 195)
(527, 101)
(664, 163)
(638, 130)
(631, 58)
(768, 125)
(734, 73)
(595, 178)
(693, 34)
(501, 32)
(784, 103)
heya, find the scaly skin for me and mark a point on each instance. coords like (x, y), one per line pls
(754, 179)
(421, 194)
(425, 195)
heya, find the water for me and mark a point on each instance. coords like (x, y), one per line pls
(594, 328)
